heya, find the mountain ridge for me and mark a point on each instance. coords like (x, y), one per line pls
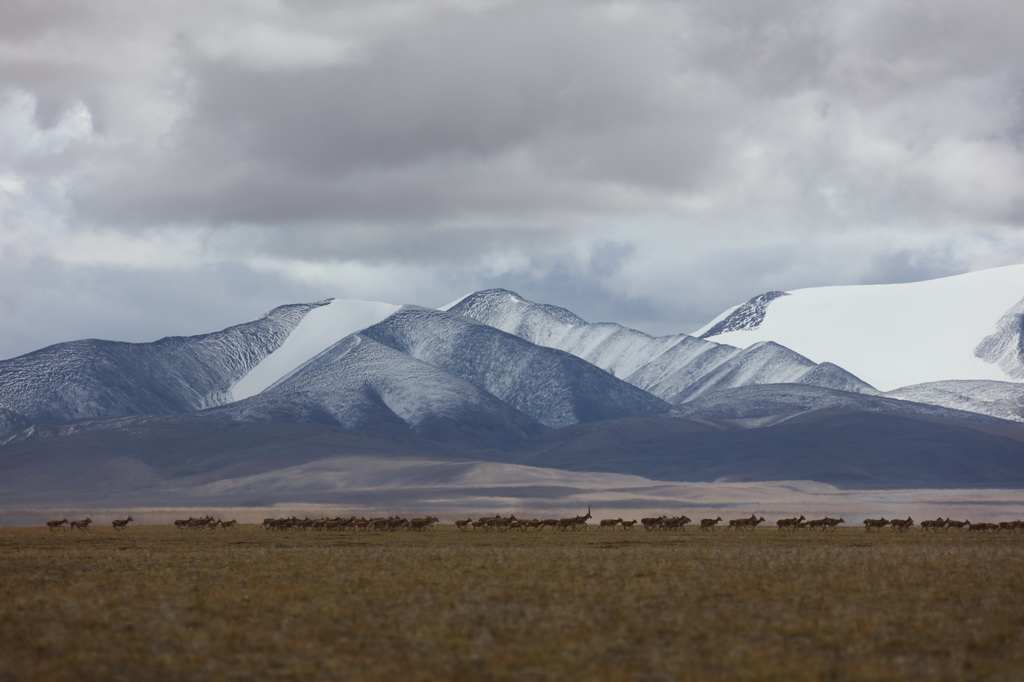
(496, 378)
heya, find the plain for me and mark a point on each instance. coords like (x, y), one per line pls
(159, 603)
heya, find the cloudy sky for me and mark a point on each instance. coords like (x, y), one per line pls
(174, 168)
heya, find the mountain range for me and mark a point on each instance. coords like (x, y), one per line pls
(917, 385)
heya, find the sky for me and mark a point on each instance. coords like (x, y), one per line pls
(171, 168)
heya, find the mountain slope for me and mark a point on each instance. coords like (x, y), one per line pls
(848, 449)
(963, 327)
(673, 368)
(761, 405)
(361, 384)
(1000, 399)
(257, 408)
(553, 387)
(91, 378)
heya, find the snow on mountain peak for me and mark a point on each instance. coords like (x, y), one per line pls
(321, 328)
(890, 335)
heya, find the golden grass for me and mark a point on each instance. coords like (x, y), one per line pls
(156, 603)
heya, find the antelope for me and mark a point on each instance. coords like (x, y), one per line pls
(709, 524)
(830, 523)
(228, 524)
(737, 524)
(877, 524)
(81, 525)
(121, 524)
(982, 527)
(483, 522)
(575, 522)
(610, 523)
(789, 524)
(959, 525)
(817, 523)
(650, 523)
(422, 523)
(933, 525)
(901, 526)
(461, 525)
(502, 523)
(746, 524)
(54, 525)
(628, 525)
(677, 523)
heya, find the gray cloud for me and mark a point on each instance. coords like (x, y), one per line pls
(650, 163)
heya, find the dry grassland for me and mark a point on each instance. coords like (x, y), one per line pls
(156, 603)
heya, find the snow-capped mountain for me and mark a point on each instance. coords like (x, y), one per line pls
(966, 327)
(674, 368)
(318, 330)
(421, 367)
(494, 377)
(93, 378)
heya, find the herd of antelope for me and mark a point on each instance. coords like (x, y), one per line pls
(204, 523)
(943, 524)
(389, 523)
(570, 523)
(83, 524)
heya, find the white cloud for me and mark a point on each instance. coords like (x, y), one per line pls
(263, 46)
(637, 157)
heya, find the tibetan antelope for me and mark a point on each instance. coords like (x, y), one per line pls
(121, 524)
(461, 525)
(421, 523)
(574, 523)
(652, 522)
(959, 525)
(901, 525)
(675, 523)
(484, 522)
(830, 523)
(877, 524)
(933, 524)
(628, 525)
(610, 523)
(709, 524)
(54, 525)
(746, 524)
(81, 525)
(789, 524)
(228, 524)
